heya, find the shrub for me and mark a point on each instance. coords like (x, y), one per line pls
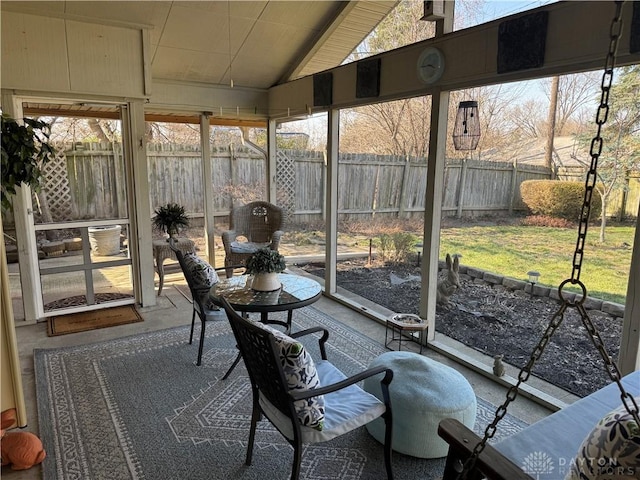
(384, 244)
(403, 244)
(396, 247)
(557, 199)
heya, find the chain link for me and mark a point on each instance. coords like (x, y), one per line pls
(512, 393)
(590, 182)
(612, 369)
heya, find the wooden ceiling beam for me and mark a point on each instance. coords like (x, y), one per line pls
(226, 122)
(67, 112)
(149, 117)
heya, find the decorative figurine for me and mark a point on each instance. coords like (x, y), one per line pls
(498, 366)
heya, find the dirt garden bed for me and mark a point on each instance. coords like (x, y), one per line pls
(495, 321)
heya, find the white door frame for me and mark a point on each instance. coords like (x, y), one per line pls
(143, 272)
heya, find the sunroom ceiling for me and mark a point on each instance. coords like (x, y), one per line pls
(256, 43)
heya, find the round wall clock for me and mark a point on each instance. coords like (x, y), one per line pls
(430, 65)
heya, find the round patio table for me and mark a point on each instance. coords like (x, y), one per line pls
(296, 292)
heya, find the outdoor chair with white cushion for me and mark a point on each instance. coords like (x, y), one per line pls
(200, 277)
(259, 223)
(307, 401)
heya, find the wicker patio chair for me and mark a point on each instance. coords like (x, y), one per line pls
(290, 389)
(259, 223)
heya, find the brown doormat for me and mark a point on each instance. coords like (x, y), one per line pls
(83, 321)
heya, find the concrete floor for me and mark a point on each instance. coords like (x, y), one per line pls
(173, 309)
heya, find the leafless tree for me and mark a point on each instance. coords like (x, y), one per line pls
(528, 118)
(574, 93)
(621, 139)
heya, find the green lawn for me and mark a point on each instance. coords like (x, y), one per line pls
(514, 250)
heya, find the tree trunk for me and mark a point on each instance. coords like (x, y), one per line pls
(97, 130)
(551, 125)
(603, 218)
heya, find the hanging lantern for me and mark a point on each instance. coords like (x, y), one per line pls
(466, 131)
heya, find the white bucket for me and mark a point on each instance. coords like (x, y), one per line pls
(105, 241)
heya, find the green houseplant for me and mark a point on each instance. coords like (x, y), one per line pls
(25, 150)
(264, 265)
(170, 219)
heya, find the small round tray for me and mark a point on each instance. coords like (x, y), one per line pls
(406, 319)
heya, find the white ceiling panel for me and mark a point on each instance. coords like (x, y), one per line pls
(185, 31)
(254, 72)
(204, 6)
(144, 13)
(283, 41)
(270, 40)
(311, 15)
(44, 7)
(187, 65)
(251, 10)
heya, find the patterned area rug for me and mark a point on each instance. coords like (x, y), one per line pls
(139, 408)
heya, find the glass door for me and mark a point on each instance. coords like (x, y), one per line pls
(81, 217)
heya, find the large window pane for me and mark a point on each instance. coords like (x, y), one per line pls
(301, 186)
(495, 219)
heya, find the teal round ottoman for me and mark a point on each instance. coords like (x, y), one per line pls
(423, 392)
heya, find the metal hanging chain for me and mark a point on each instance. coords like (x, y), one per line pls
(612, 369)
(597, 142)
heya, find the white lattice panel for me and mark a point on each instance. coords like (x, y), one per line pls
(56, 188)
(286, 183)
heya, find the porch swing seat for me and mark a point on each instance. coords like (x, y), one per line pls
(557, 437)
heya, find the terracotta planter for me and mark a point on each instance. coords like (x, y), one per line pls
(265, 282)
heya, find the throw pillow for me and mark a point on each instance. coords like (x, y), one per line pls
(202, 274)
(300, 372)
(611, 450)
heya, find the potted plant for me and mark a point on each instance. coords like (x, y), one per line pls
(170, 219)
(25, 149)
(264, 265)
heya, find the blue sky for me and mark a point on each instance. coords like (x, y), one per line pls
(502, 8)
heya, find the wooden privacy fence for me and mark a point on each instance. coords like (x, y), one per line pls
(175, 175)
(376, 185)
(87, 181)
